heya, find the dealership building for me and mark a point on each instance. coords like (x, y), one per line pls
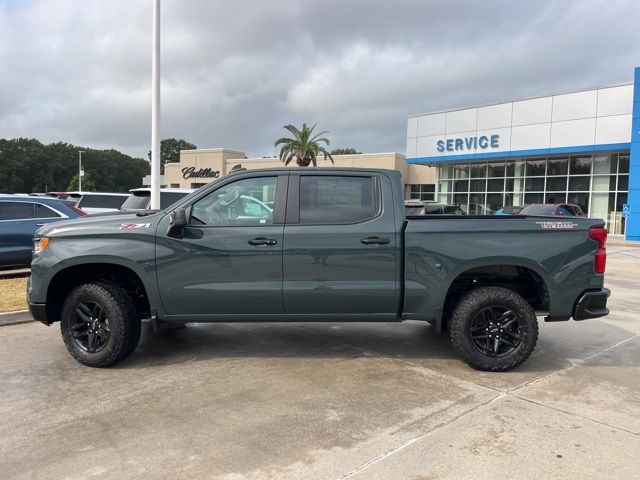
(199, 167)
(581, 147)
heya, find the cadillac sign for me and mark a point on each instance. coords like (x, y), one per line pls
(191, 172)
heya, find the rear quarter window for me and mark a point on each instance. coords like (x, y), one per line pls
(16, 210)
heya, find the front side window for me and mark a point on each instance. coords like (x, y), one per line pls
(16, 210)
(336, 199)
(244, 202)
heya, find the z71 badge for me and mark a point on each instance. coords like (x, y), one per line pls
(134, 226)
(557, 225)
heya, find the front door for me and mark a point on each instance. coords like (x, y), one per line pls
(228, 259)
(340, 246)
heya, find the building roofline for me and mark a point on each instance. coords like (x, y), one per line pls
(263, 159)
(491, 104)
(218, 149)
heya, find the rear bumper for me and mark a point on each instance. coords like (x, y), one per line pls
(39, 312)
(592, 305)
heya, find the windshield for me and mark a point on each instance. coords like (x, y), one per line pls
(101, 201)
(137, 201)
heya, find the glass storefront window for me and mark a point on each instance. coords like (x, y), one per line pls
(530, 198)
(445, 171)
(460, 199)
(577, 184)
(581, 199)
(601, 183)
(461, 186)
(623, 182)
(478, 186)
(461, 170)
(445, 198)
(534, 184)
(623, 163)
(515, 168)
(494, 202)
(556, 184)
(580, 166)
(557, 166)
(535, 168)
(478, 170)
(513, 199)
(444, 186)
(555, 197)
(604, 164)
(496, 169)
(495, 185)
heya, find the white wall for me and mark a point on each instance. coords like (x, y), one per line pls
(592, 117)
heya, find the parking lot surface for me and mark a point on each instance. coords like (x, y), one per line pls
(328, 401)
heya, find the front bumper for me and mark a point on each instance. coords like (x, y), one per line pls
(39, 312)
(592, 305)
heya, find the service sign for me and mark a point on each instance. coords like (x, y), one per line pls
(468, 144)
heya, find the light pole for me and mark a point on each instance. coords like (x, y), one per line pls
(155, 109)
(80, 172)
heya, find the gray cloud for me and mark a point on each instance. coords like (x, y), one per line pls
(235, 72)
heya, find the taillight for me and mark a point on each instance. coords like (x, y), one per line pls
(599, 234)
(79, 211)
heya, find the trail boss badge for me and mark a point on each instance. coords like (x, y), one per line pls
(557, 225)
(134, 226)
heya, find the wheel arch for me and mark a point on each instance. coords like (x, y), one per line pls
(521, 278)
(71, 276)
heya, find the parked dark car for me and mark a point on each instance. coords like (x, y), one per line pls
(20, 217)
(561, 209)
(420, 207)
(509, 210)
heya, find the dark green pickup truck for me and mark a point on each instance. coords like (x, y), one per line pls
(315, 244)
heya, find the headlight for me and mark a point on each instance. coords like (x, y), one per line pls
(40, 245)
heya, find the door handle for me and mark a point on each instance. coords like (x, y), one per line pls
(40, 224)
(262, 242)
(374, 241)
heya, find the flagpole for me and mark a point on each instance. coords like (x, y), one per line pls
(155, 109)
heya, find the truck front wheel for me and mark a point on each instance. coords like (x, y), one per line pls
(493, 329)
(99, 324)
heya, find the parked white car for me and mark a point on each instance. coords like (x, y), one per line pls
(98, 202)
(140, 198)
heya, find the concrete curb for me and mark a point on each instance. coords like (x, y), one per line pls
(14, 318)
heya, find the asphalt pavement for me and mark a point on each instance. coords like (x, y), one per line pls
(328, 401)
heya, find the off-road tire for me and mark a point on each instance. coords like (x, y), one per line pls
(464, 313)
(124, 323)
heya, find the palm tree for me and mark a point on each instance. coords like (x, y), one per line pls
(304, 147)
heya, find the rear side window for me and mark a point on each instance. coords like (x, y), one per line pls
(42, 211)
(336, 199)
(169, 198)
(16, 210)
(101, 201)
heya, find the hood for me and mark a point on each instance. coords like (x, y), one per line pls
(102, 224)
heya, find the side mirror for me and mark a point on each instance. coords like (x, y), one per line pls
(178, 218)
(177, 222)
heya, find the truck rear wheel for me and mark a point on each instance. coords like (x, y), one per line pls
(99, 324)
(493, 329)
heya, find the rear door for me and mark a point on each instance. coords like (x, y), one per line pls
(340, 246)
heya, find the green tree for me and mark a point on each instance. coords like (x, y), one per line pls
(303, 146)
(344, 151)
(170, 150)
(87, 183)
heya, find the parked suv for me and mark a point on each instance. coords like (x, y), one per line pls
(20, 217)
(140, 198)
(98, 202)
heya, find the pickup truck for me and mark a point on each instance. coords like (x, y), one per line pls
(319, 244)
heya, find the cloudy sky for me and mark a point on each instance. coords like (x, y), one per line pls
(234, 72)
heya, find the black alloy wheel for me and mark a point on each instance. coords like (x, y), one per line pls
(90, 327)
(496, 331)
